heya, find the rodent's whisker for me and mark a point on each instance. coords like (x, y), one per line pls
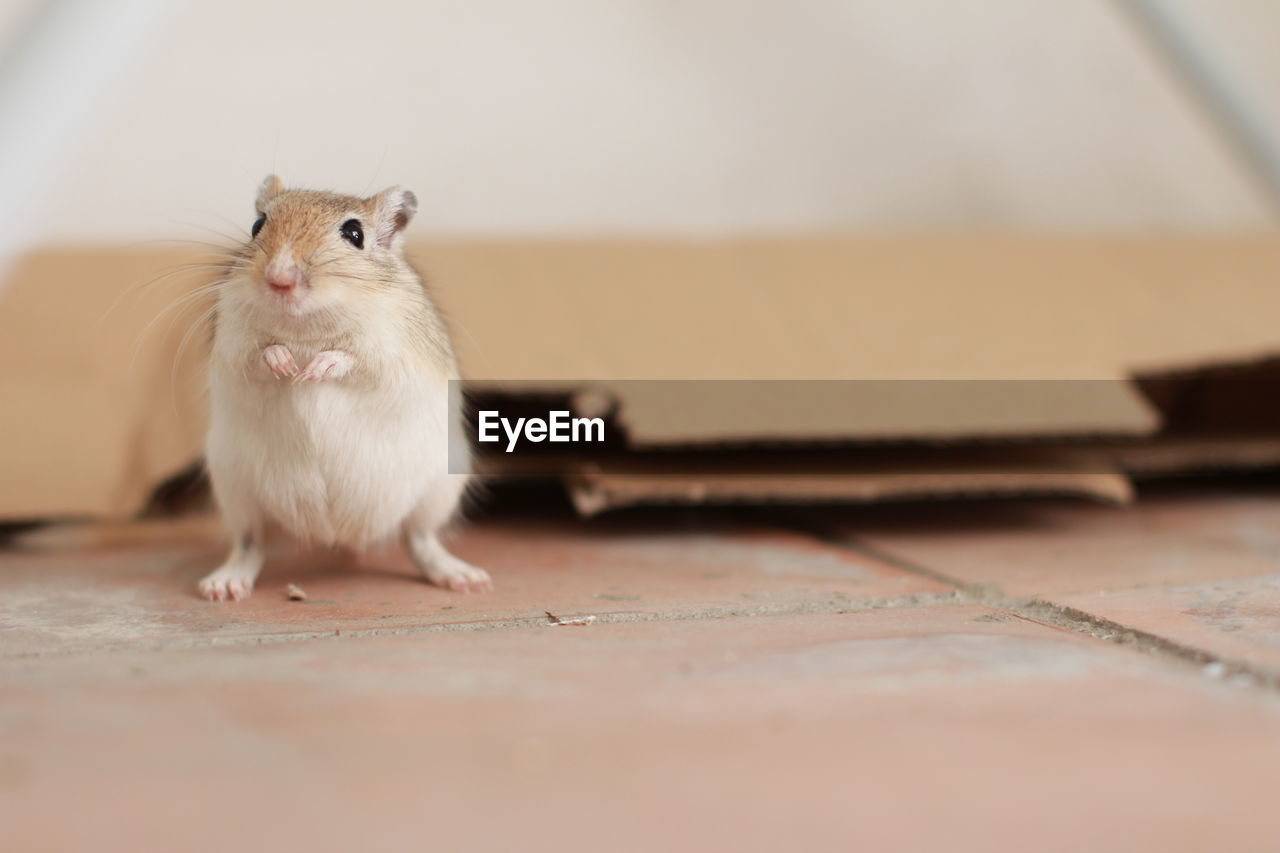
(199, 323)
(378, 279)
(174, 308)
(222, 269)
(174, 305)
(239, 233)
(189, 243)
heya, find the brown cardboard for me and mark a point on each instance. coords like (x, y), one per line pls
(1178, 455)
(904, 308)
(98, 410)
(662, 414)
(899, 308)
(1098, 471)
(599, 488)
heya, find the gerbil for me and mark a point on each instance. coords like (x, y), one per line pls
(329, 387)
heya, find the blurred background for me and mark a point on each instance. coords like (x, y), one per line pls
(142, 119)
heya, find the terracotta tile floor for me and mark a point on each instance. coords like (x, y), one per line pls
(1029, 675)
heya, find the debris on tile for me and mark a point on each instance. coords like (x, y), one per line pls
(295, 592)
(580, 620)
(1216, 669)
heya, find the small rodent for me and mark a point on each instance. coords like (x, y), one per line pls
(330, 389)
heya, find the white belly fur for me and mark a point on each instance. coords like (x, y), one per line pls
(331, 463)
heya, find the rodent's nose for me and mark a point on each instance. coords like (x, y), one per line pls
(284, 279)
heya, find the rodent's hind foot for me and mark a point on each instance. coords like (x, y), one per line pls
(233, 580)
(459, 576)
(228, 583)
(443, 569)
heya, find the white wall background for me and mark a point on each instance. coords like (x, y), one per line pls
(686, 117)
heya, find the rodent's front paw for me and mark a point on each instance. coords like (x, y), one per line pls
(330, 364)
(280, 361)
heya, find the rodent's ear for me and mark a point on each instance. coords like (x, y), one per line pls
(393, 210)
(270, 188)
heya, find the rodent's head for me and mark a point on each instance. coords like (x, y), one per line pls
(312, 250)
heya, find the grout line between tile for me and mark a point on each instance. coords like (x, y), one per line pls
(1051, 614)
(833, 606)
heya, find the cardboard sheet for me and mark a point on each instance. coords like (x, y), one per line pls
(98, 407)
(1103, 471)
(596, 489)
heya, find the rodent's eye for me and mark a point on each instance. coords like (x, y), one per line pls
(353, 233)
(257, 225)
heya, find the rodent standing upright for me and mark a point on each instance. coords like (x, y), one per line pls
(330, 390)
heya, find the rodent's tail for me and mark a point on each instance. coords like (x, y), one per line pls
(90, 535)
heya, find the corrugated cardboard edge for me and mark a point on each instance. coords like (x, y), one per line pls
(1101, 472)
(1178, 456)
(593, 490)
